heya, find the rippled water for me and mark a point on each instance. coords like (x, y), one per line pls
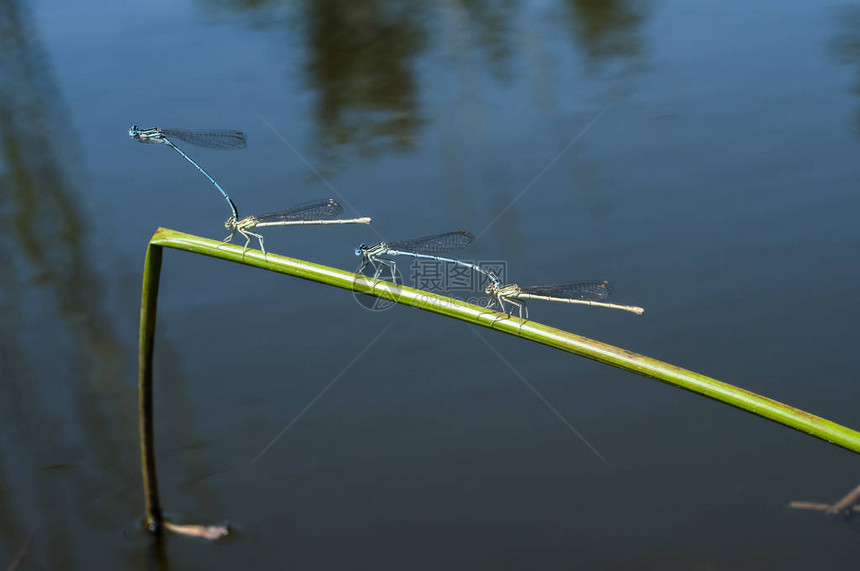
(701, 156)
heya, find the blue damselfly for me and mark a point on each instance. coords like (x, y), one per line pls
(207, 138)
(426, 248)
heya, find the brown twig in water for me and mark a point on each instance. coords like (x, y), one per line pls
(844, 507)
(813, 506)
(210, 532)
(22, 553)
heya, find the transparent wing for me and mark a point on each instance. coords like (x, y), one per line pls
(325, 209)
(588, 291)
(209, 138)
(436, 244)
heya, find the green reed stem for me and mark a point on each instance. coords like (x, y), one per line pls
(570, 342)
(148, 310)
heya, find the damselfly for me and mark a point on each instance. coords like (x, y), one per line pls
(208, 138)
(323, 211)
(582, 293)
(426, 248)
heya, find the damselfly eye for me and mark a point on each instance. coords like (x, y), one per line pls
(361, 248)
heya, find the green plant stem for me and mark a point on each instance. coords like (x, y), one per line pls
(148, 310)
(627, 360)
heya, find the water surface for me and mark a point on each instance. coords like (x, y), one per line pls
(701, 156)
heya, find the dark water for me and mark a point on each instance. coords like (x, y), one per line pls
(702, 156)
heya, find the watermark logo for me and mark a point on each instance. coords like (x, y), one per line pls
(446, 279)
(379, 279)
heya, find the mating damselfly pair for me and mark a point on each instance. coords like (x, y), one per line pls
(325, 211)
(379, 256)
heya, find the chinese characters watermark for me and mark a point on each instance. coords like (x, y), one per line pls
(451, 280)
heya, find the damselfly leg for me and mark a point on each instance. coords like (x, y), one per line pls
(520, 305)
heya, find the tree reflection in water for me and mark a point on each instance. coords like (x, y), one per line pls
(68, 398)
(845, 48)
(362, 68)
(609, 31)
(361, 57)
